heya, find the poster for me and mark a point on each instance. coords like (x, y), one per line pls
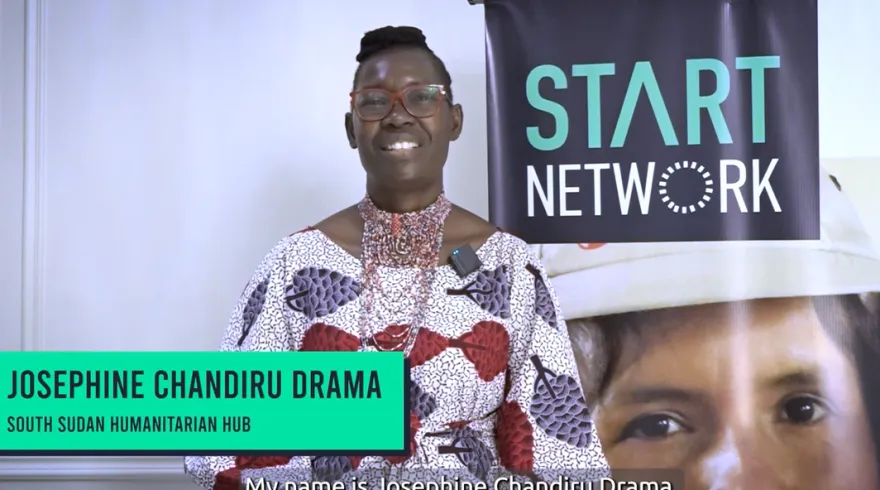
(653, 121)
(743, 364)
(741, 349)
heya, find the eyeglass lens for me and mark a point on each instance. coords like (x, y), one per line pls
(374, 104)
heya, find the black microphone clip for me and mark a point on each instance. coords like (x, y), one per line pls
(464, 261)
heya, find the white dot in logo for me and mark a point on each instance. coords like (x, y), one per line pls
(694, 167)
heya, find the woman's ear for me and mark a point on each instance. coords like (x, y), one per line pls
(349, 131)
(457, 121)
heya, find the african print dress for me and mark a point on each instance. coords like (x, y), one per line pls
(495, 390)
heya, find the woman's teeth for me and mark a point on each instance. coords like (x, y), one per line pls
(401, 145)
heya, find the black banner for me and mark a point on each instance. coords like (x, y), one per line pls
(650, 121)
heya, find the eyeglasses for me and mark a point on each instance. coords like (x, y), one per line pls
(374, 104)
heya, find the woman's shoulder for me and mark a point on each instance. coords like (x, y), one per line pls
(308, 249)
(495, 244)
(514, 250)
(321, 244)
(295, 246)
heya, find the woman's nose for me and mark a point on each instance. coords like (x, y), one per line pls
(398, 116)
(739, 461)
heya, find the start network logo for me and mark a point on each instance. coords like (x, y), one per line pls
(697, 123)
(637, 190)
(549, 195)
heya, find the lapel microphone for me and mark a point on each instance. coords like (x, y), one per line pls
(464, 261)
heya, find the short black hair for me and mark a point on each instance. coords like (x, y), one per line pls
(389, 37)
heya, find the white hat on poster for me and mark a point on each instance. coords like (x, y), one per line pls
(621, 277)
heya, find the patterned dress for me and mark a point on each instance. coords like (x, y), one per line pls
(495, 390)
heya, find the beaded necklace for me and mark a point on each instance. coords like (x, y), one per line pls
(398, 240)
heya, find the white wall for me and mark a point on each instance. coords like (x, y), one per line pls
(152, 151)
(12, 166)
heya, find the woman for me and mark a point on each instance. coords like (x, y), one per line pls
(494, 379)
(745, 365)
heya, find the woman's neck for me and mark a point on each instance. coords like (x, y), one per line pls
(399, 202)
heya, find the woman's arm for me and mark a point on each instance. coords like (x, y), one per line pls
(261, 321)
(544, 429)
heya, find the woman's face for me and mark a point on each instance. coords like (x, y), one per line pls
(395, 70)
(753, 397)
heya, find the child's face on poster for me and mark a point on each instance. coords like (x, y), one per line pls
(740, 398)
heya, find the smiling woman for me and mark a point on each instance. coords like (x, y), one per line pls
(403, 116)
(494, 382)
